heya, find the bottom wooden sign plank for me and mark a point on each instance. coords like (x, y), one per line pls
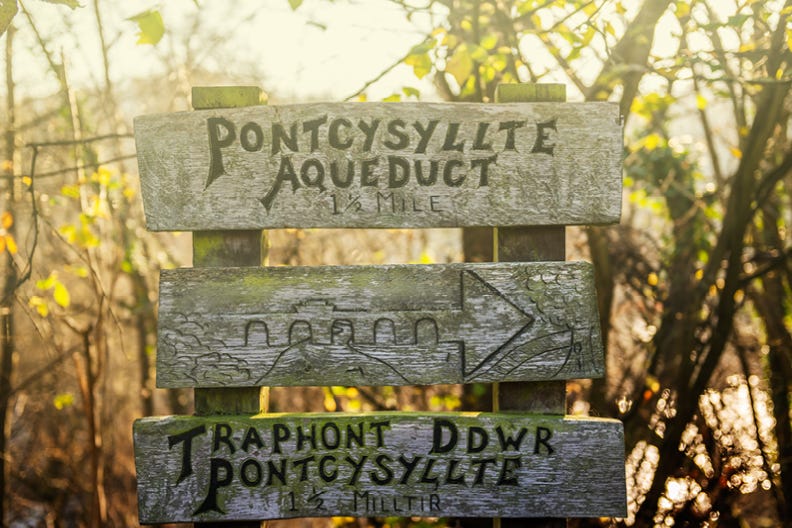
(195, 469)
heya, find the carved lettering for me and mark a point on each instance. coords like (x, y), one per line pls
(186, 438)
(367, 465)
(289, 141)
(542, 136)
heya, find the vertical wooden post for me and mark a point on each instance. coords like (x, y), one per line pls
(523, 244)
(229, 248)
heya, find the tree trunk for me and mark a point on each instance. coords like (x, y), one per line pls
(700, 359)
(770, 304)
(7, 344)
(631, 52)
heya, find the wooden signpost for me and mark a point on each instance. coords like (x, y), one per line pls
(227, 331)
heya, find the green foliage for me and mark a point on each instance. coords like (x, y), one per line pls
(420, 60)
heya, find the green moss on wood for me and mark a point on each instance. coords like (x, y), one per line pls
(206, 97)
(530, 93)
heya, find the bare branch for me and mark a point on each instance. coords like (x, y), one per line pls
(69, 142)
(384, 72)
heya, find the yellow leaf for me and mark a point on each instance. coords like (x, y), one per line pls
(102, 176)
(653, 383)
(80, 271)
(71, 191)
(460, 65)
(748, 46)
(449, 41)
(6, 220)
(48, 283)
(489, 42)
(39, 304)
(2, 244)
(7, 166)
(98, 208)
(27, 180)
(150, 25)
(61, 401)
(652, 279)
(61, 295)
(737, 153)
(329, 401)
(10, 244)
(421, 63)
(701, 102)
(68, 231)
(652, 141)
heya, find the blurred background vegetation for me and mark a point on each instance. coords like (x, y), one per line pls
(694, 284)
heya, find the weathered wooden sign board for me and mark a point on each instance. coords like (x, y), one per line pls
(378, 325)
(377, 165)
(381, 165)
(378, 464)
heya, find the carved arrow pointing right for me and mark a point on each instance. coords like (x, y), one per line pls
(377, 325)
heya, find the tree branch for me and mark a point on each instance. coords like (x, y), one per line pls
(383, 73)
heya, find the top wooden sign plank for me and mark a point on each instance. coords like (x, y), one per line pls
(385, 165)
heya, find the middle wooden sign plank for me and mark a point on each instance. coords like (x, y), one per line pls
(378, 325)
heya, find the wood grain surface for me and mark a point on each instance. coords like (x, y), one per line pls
(381, 165)
(378, 464)
(377, 325)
